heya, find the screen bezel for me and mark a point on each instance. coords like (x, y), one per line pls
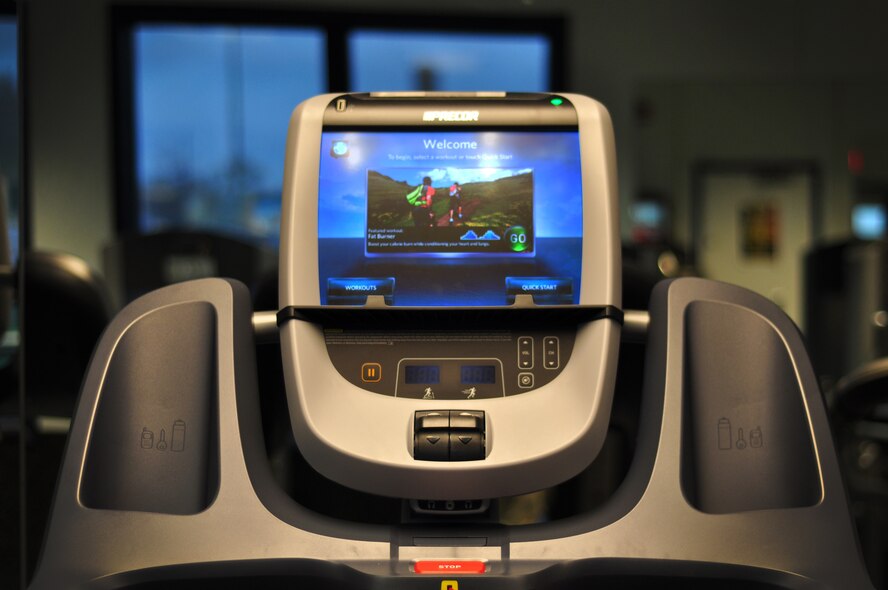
(600, 275)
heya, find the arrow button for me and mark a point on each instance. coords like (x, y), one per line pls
(466, 445)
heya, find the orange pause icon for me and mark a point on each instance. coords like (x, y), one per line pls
(371, 372)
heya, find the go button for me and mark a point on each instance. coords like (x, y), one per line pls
(449, 567)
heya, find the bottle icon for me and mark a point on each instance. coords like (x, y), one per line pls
(177, 442)
(724, 434)
(162, 443)
(755, 438)
(741, 444)
(147, 438)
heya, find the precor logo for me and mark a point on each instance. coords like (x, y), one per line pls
(450, 116)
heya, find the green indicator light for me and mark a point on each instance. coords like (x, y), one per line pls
(557, 102)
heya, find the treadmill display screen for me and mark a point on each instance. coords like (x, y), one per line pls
(472, 374)
(422, 374)
(450, 217)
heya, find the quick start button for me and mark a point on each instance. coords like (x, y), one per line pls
(545, 290)
(449, 567)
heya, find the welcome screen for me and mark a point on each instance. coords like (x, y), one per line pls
(449, 218)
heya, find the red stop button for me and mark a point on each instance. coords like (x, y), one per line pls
(449, 567)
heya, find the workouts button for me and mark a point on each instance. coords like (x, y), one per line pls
(355, 290)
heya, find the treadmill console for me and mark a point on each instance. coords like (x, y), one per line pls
(449, 254)
(449, 366)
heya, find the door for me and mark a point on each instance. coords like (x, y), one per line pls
(753, 228)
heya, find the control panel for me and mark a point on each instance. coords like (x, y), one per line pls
(449, 365)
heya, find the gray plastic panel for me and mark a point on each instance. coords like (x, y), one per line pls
(153, 444)
(653, 516)
(748, 443)
(94, 533)
(649, 535)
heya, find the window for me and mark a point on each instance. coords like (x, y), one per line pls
(418, 60)
(204, 97)
(211, 110)
(9, 147)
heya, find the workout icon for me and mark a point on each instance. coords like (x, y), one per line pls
(469, 393)
(429, 394)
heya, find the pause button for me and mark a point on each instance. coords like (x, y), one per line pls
(371, 372)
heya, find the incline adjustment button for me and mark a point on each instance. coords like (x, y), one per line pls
(449, 435)
(466, 445)
(431, 420)
(466, 420)
(431, 447)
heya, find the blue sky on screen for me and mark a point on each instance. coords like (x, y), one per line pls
(445, 176)
(466, 175)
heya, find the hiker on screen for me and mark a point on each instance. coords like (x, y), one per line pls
(455, 200)
(421, 200)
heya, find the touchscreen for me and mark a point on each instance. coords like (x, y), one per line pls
(437, 217)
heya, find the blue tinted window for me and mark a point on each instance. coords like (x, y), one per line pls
(212, 105)
(9, 148)
(8, 51)
(393, 60)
